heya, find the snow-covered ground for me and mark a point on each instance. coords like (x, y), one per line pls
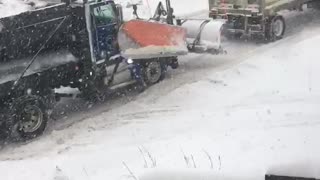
(236, 116)
(251, 112)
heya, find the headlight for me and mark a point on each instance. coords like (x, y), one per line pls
(129, 61)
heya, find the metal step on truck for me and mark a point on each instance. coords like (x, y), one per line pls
(255, 18)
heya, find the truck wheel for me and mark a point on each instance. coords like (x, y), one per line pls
(29, 117)
(153, 72)
(275, 29)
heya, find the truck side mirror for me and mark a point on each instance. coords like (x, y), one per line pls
(119, 13)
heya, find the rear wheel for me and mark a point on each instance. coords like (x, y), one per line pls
(29, 117)
(275, 29)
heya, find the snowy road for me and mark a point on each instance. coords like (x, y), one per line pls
(254, 111)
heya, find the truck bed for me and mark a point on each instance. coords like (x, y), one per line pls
(10, 71)
(24, 34)
(55, 68)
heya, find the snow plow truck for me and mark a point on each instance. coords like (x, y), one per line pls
(84, 45)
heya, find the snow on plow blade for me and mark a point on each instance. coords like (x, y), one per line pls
(143, 39)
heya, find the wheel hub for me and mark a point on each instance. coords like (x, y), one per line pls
(31, 118)
(154, 72)
(278, 27)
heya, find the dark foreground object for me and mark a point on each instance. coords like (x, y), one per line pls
(275, 177)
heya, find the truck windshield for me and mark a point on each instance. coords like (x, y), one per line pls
(104, 15)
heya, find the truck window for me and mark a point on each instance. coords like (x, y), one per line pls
(104, 15)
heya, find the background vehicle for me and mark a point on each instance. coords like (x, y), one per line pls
(259, 18)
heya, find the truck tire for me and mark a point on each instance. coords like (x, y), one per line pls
(275, 29)
(28, 118)
(153, 72)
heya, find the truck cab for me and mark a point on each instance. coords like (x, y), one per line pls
(110, 69)
(103, 23)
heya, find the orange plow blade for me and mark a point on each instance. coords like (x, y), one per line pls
(140, 39)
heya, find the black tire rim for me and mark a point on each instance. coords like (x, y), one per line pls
(31, 119)
(153, 72)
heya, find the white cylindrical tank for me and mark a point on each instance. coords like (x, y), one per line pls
(206, 33)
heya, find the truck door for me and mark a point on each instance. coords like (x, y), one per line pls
(102, 23)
